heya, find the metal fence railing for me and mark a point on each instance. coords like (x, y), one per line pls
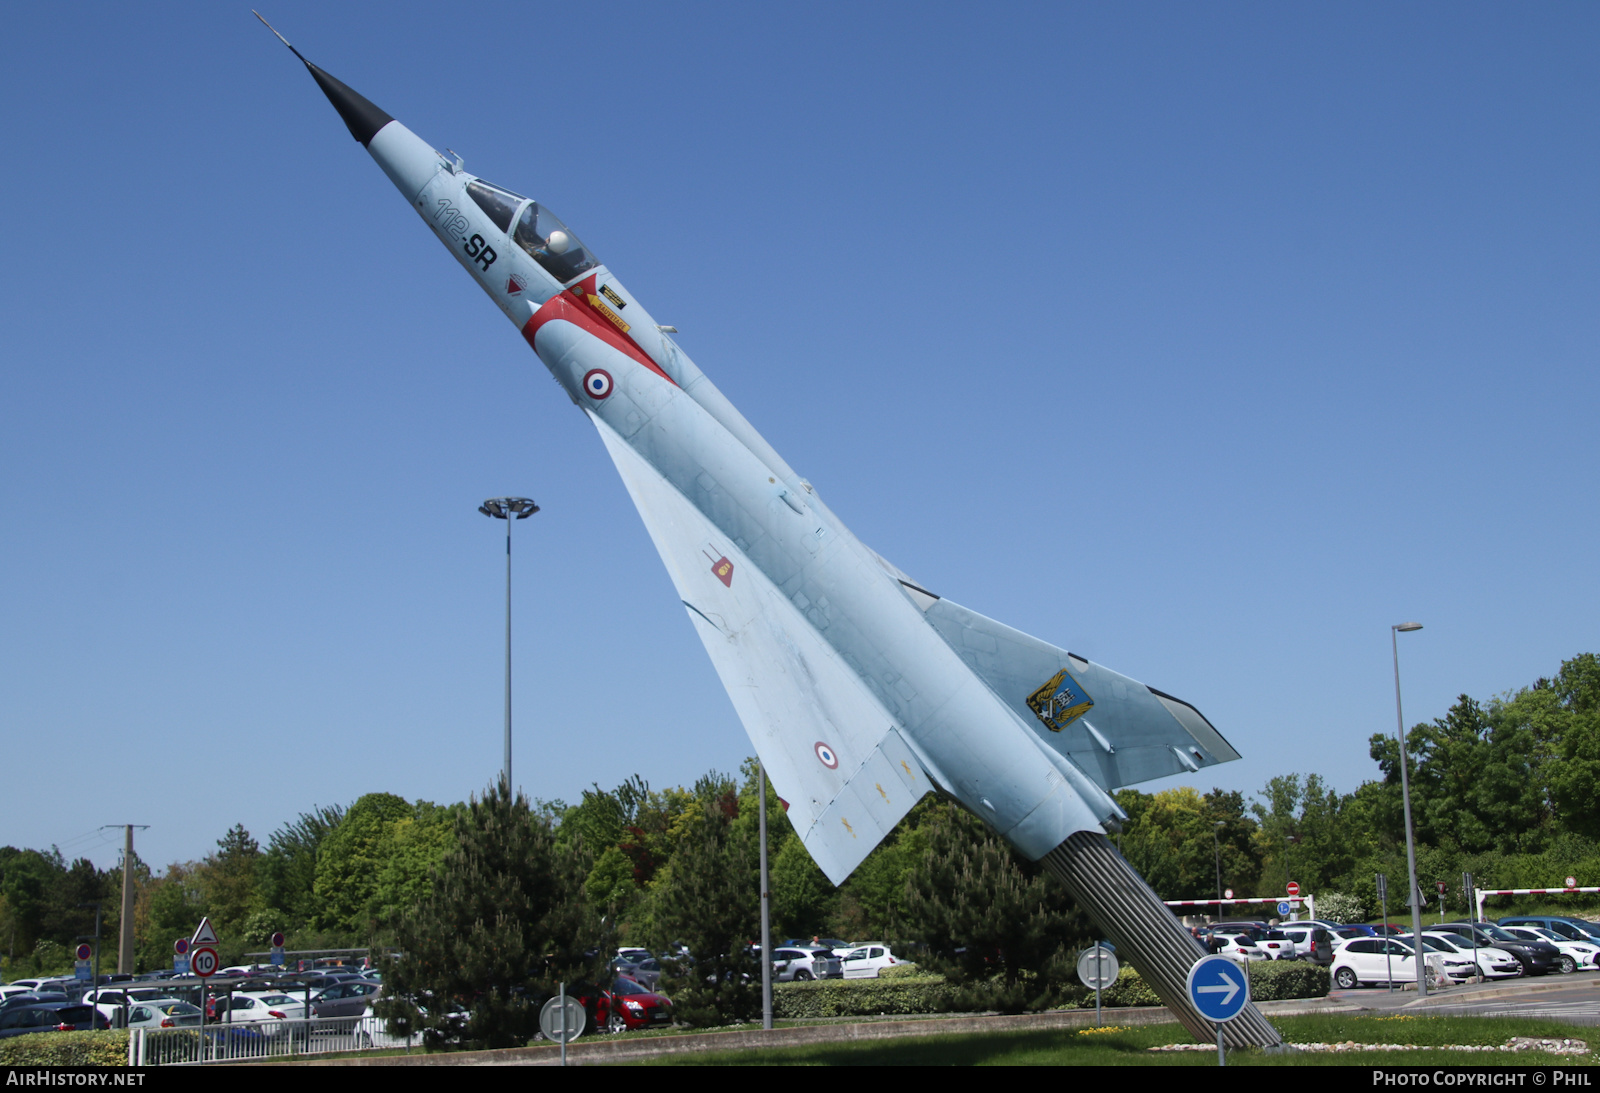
(228, 1042)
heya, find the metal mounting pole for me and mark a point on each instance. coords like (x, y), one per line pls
(1125, 909)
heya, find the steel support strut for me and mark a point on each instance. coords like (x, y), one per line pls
(1125, 909)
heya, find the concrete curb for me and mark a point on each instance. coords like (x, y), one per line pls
(624, 1049)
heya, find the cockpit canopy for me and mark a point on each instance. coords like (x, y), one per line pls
(538, 231)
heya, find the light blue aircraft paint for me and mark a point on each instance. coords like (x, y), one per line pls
(860, 689)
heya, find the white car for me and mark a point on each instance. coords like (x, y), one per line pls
(258, 1008)
(1493, 963)
(110, 1000)
(163, 1013)
(1574, 954)
(1387, 960)
(867, 961)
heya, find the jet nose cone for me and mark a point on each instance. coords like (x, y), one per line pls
(360, 116)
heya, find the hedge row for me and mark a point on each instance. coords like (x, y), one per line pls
(1270, 981)
(862, 997)
(100, 1048)
(913, 992)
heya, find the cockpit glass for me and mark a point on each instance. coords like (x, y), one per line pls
(499, 205)
(547, 240)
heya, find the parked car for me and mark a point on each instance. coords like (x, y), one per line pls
(163, 1013)
(1493, 962)
(347, 999)
(265, 1009)
(1574, 954)
(1311, 942)
(804, 964)
(111, 1001)
(50, 1017)
(867, 961)
(1272, 943)
(637, 964)
(1364, 960)
(30, 998)
(1573, 929)
(637, 1006)
(1536, 957)
(1235, 946)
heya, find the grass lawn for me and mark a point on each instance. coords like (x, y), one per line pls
(1128, 1047)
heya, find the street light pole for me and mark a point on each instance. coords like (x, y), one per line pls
(508, 509)
(1405, 793)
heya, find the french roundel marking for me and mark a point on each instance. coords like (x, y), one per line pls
(597, 383)
(826, 756)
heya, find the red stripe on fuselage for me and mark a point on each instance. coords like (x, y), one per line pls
(562, 306)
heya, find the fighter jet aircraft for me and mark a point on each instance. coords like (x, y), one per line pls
(861, 689)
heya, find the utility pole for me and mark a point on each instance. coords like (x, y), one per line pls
(125, 929)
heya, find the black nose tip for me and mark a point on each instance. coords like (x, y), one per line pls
(360, 116)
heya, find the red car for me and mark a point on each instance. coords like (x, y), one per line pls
(628, 1005)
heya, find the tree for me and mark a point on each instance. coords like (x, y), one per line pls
(349, 859)
(506, 920)
(985, 915)
(1565, 719)
(708, 901)
(1173, 839)
(228, 879)
(287, 872)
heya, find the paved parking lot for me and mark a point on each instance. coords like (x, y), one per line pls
(1575, 999)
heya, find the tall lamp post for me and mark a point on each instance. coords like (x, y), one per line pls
(508, 509)
(1405, 793)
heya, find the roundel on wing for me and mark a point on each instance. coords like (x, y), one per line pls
(597, 383)
(826, 756)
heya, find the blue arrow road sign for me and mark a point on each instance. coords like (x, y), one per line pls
(1283, 907)
(1218, 988)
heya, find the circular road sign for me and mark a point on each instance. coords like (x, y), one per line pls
(181, 946)
(1218, 988)
(204, 962)
(277, 940)
(1572, 882)
(1227, 893)
(84, 952)
(1283, 907)
(1097, 967)
(1293, 888)
(550, 1019)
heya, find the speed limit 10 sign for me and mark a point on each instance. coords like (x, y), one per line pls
(203, 962)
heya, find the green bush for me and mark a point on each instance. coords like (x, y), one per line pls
(1128, 990)
(1278, 979)
(903, 971)
(1270, 981)
(862, 997)
(100, 1048)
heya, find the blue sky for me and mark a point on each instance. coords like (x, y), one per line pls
(1204, 340)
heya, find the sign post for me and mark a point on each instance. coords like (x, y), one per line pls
(1383, 898)
(1220, 992)
(1097, 968)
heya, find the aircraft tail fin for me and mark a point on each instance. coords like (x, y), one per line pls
(1115, 729)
